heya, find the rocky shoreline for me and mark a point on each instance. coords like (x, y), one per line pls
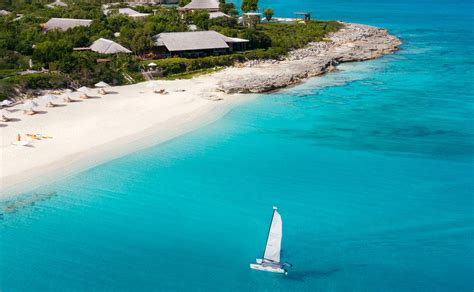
(352, 43)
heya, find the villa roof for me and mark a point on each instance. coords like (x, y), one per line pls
(129, 12)
(65, 23)
(105, 46)
(236, 40)
(4, 12)
(194, 40)
(202, 4)
(217, 14)
(57, 3)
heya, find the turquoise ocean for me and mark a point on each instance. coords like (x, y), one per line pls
(372, 169)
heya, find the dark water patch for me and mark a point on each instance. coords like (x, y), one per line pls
(302, 275)
(417, 140)
(23, 202)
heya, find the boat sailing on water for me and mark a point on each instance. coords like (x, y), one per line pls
(271, 255)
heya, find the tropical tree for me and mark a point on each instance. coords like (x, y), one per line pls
(199, 18)
(141, 42)
(249, 5)
(268, 13)
(228, 8)
(182, 3)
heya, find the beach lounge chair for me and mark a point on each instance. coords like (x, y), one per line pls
(4, 119)
(50, 104)
(21, 143)
(34, 136)
(29, 112)
(160, 91)
(102, 91)
(84, 96)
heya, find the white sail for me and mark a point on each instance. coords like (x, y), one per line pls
(273, 247)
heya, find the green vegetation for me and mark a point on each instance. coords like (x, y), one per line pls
(249, 5)
(22, 40)
(182, 3)
(295, 36)
(174, 66)
(268, 13)
(228, 8)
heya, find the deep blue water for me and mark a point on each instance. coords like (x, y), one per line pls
(372, 169)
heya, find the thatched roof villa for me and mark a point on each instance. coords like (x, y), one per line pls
(196, 43)
(105, 46)
(128, 12)
(209, 5)
(65, 23)
(57, 3)
(217, 14)
(4, 12)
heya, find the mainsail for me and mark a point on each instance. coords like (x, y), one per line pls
(273, 247)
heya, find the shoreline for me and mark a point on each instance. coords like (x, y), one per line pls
(133, 117)
(353, 43)
(75, 163)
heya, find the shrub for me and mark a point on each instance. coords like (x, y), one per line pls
(173, 65)
(257, 39)
(37, 81)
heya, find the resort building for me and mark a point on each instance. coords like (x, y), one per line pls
(217, 14)
(209, 5)
(4, 13)
(105, 46)
(57, 3)
(195, 44)
(128, 12)
(152, 2)
(65, 23)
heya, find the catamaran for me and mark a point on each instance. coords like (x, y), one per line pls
(271, 255)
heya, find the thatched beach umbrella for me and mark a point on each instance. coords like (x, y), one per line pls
(29, 105)
(3, 116)
(84, 92)
(101, 84)
(49, 99)
(83, 89)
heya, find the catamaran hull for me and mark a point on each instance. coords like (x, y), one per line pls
(266, 268)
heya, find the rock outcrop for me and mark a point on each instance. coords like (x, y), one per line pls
(353, 42)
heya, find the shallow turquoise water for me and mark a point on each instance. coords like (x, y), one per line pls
(371, 167)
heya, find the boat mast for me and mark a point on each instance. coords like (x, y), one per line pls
(269, 229)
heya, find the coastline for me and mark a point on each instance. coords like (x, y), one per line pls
(353, 43)
(133, 117)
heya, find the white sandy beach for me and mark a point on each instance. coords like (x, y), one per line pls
(98, 129)
(132, 117)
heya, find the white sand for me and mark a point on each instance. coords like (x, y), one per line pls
(98, 129)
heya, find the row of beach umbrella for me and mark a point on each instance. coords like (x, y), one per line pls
(30, 105)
